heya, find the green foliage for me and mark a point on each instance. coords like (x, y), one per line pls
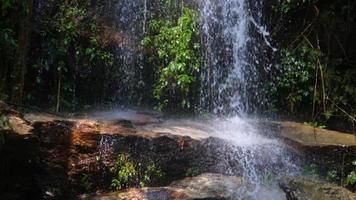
(71, 49)
(177, 48)
(5, 126)
(128, 174)
(194, 171)
(295, 85)
(86, 182)
(351, 178)
(67, 25)
(332, 176)
(322, 26)
(7, 39)
(3, 97)
(296, 81)
(341, 92)
(311, 170)
(286, 6)
(5, 122)
(269, 178)
(9, 5)
(315, 124)
(8, 42)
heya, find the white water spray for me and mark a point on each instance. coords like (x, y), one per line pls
(231, 84)
(233, 55)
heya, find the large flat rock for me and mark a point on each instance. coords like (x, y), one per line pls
(297, 188)
(151, 124)
(311, 136)
(205, 186)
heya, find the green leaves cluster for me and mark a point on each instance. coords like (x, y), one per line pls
(286, 6)
(320, 27)
(5, 125)
(296, 80)
(351, 178)
(74, 44)
(68, 25)
(176, 46)
(7, 39)
(8, 23)
(127, 174)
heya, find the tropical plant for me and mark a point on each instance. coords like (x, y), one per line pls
(296, 80)
(311, 170)
(286, 6)
(5, 126)
(315, 125)
(332, 176)
(128, 174)
(177, 48)
(351, 178)
(86, 182)
(70, 50)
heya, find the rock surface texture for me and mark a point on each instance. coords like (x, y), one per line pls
(51, 157)
(205, 186)
(306, 189)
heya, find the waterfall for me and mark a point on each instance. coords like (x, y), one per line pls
(145, 11)
(236, 47)
(130, 20)
(235, 43)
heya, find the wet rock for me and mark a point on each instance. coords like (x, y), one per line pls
(205, 186)
(8, 110)
(19, 153)
(305, 135)
(79, 153)
(305, 189)
(331, 150)
(17, 123)
(209, 186)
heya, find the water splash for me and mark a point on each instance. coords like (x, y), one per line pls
(258, 155)
(235, 45)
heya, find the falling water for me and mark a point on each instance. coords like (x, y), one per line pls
(235, 46)
(144, 16)
(130, 20)
(235, 50)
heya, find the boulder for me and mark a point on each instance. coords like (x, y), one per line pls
(19, 153)
(297, 188)
(331, 150)
(205, 186)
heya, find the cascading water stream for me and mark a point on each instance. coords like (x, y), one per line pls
(235, 54)
(234, 45)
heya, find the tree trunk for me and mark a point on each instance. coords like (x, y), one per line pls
(58, 99)
(20, 67)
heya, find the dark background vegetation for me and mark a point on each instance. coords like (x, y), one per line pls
(63, 56)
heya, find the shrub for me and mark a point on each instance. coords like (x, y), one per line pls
(128, 174)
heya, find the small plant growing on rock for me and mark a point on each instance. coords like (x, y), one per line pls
(311, 170)
(268, 178)
(5, 125)
(351, 178)
(332, 176)
(85, 182)
(128, 174)
(194, 171)
(315, 125)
